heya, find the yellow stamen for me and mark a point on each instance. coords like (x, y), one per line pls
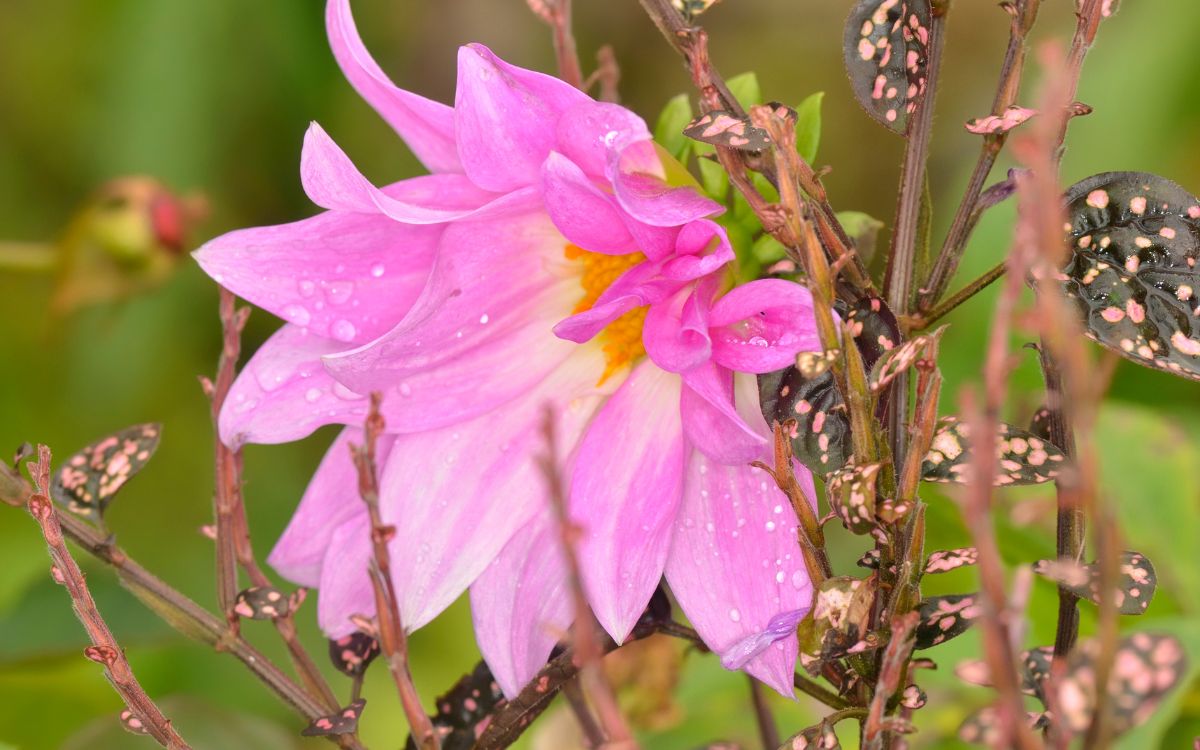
(621, 339)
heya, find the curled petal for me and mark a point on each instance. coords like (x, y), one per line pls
(676, 330)
(701, 248)
(427, 126)
(344, 276)
(624, 493)
(457, 494)
(283, 393)
(781, 627)
(506, 119)
(639, 286)
(330, 501)
(736, 566)
(761, 326)
(643, 191)
(332, 181)
(521, 605)
(581, 211)
(591, 133)
(712, 420)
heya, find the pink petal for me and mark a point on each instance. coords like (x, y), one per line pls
(331, 500)
(344, 276)
(641, 285)
(332, 181)
(761, 326)
(585, 215)
(735, 564)
(591, 133)
(345, 587)
(459, 493)
(624, 494)
(521, 604)
(676, 329)
(480, 333)
(702, 247)
(712, 419)
(283, 393)
(506, 119)
(427, 126)
(644, 194)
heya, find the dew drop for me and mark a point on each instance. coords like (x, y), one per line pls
(735, 615)
(343, 330)
(377, 270)
(307, 288)
(297, 314)
(798, 579)
(757, 341)
(405, 389)
(483, 319)
(779, 577)
(338, 292)
(312, 394)
(770, 525)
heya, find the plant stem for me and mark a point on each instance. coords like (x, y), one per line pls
(1024, 15)
(104, 649)
(819, 692)
(763, 717)
(920, 320)
(557, 14)
(393, 640)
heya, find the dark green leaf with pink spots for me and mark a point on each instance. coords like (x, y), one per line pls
(886, 48)
(945, 560)
(821, 436)
(1135, 582)
(1135, 245)
(463, 707)
(721, 128)
(87, 482)
(839, 624)
(897, 360)
(944, 617)
(984, 727)
(352, 654)
(1023, 458)
(1039, 424)
(1146, 667)
(851, 491)
(261, 603)
(343, 722)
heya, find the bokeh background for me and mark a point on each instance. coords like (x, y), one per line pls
(214, 96)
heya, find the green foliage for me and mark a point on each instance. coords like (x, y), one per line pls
(668, 131)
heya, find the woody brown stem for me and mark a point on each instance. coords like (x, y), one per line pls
(104, 649)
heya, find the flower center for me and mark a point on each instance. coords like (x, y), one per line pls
(621, 339)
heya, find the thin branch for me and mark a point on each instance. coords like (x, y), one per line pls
(593, 735)
(923, 320)
(1024, 15)
(176, 609)
(587, 646)
(893, 668)
(104, 649)
(393, 640)
(607, 75)
(767, 731)
(819, 692)
(557, 14)
(233, 544)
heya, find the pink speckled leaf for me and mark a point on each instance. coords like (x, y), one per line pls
(342, 722)
(1135, 583)
(1023, 458)
(1135, 245)
(1002, 123)
(886, 49)
(944, 617)
(87, 482)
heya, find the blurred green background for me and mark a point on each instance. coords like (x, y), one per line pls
(214, 96)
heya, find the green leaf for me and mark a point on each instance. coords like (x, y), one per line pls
(808, 126)
(745, 89)
(863, 229)
(668, 131)
(713, 178)
(767, 249)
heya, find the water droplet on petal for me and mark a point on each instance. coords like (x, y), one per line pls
(343, 330)
(798, 579)
(483, 319)
(757, 341)
(312, 394)
(770, 525)
(339, 291)
(377, 270)
(405, 389)
(297, 314)
(307, 288)
(735, 615)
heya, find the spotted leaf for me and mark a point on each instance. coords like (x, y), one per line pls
(87, 482)
(821, 433)
(838, 625)
(1023, 458)
(897, 360)
(1145, 668)
(1002, 123)
(721, 128)
(886, 48)
(1135, 584)
(817, 737)
(870, 560)
(851, 491)
(944, 617)
(1035, 669)
(1135, 243)
(1039, 423)
(261, 603)
(913, 698)
(464, 708)
(983, 727)
(949, 559)
(352, 654)
(342, 722)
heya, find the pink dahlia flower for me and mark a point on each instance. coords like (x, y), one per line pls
(553, 256)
